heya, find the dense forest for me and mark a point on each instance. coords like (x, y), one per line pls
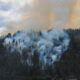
(11, 67)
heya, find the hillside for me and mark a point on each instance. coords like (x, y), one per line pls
(65, 63)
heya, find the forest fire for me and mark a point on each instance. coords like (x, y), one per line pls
(53, 52)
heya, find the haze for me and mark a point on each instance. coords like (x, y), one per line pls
(38, 15)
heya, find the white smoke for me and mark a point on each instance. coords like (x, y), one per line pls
(50, 45)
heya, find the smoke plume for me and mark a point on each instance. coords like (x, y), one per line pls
(49, 45)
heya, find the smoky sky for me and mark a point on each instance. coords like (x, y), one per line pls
(38, 15)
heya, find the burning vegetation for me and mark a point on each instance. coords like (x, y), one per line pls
(52, 55)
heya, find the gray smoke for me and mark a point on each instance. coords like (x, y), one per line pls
(49, 45)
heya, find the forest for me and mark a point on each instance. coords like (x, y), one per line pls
(67, 68)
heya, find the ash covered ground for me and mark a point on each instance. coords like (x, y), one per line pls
(44, 55)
